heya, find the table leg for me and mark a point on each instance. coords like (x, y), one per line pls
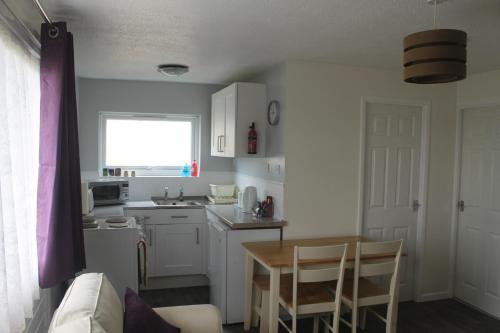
(249, 263)
(274, 293)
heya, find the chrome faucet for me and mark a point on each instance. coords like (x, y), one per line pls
(165, 195)
(181, 193)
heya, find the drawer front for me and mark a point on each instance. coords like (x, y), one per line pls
(169, 216)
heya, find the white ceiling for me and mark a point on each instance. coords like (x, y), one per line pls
(223, 40)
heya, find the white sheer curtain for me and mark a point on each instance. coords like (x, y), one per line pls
(19, 123)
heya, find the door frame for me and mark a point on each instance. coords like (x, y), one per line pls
(457, 187)
(425, 107)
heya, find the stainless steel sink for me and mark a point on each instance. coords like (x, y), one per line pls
(171, 203)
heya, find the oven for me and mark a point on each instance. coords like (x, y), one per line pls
(109, 192)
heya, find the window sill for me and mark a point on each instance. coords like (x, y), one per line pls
(147, 176)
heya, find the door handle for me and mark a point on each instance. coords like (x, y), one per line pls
(219, 144)
(416, 205)
(461, 205)
(197, 235)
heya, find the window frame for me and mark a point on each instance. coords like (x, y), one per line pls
(148, 171)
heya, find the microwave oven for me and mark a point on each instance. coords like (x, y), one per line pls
(109, 192)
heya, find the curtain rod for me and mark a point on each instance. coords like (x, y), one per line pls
(42, 12)
(13, 23)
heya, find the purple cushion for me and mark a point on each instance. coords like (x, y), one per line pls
(140, 317)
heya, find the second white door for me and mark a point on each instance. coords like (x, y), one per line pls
(478, 249)
(391, 187)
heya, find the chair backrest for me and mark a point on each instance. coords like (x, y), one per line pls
(377, 259)
(320, 264)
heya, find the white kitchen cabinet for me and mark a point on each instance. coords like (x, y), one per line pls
(176, 240)
(234, 108)
(178, 249)
(150, 249)
(226, 265)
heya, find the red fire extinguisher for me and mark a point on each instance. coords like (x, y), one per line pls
(252, 140)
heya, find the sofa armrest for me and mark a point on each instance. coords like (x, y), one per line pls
(203, 318)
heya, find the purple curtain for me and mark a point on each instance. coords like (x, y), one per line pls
(59, 226)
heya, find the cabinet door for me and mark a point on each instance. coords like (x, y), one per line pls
(218, 123)
(229, 137)
(150, 249)
(178, 249)
(217, 267)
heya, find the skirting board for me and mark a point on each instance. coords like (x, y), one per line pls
(433, 296)
(176, 282)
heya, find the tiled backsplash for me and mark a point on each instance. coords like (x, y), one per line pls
(142, 188)
(264, 187)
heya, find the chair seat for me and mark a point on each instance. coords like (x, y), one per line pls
(307, 293)
(366, 288)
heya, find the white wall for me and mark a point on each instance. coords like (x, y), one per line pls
(322, 149)
(152, 97)
(268, 173)
(479, 89)
(141, 96)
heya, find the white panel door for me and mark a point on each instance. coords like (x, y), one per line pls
(393, 138)
(478, 249)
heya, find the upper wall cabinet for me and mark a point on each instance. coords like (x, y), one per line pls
(234, 108)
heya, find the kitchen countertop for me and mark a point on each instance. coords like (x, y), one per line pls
(118, 210)
(237, 219)
(149, 204)
(228, 213)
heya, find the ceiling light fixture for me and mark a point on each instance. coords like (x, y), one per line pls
(435, 56)
(173, 69)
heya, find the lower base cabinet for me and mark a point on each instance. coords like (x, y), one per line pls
(178, 249)
(226, 265)
(176, 241)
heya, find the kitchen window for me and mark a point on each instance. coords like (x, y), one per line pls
(149, 144)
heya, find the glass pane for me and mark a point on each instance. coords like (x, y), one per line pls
(152, 143)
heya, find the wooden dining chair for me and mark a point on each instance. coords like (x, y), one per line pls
(373, 259)
(315, 286)
(260, 302)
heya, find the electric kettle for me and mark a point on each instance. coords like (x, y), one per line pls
(248, 199)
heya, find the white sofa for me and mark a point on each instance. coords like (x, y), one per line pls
(91, 305)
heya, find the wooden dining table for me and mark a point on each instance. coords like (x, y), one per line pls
(277, 258)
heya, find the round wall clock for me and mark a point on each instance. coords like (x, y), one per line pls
(273, 113)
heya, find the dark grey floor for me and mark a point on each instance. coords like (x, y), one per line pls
(446, 316)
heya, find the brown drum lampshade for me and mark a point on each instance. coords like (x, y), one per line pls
(435, 56)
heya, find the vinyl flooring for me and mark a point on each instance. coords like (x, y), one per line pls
(445, 316)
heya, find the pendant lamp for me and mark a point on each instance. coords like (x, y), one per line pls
(435, 56)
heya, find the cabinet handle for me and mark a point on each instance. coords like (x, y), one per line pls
(219, 143)
(461, 206)
(222, 147)
(150, 237)
(179, 216)
(197, 235)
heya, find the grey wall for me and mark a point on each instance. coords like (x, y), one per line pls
(96, 95)
(273, 166)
